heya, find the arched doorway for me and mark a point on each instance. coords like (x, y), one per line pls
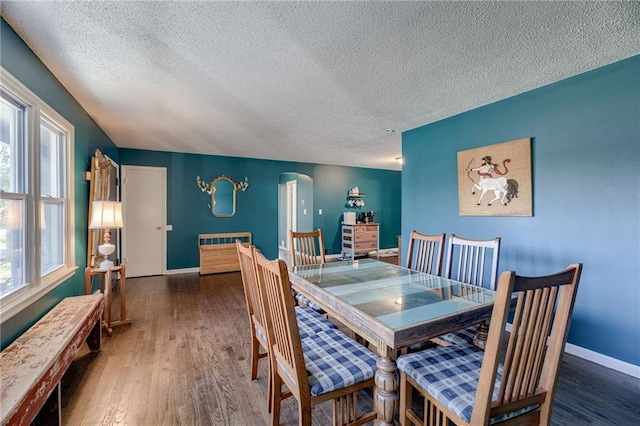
(295, 208)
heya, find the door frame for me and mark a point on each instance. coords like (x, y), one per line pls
(163, 199)
(291, 210)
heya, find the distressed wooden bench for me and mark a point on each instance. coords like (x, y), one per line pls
(32, 366)
(218, 252)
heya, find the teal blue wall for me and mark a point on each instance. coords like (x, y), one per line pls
(189, 211)
(586, 174)
(23, 64)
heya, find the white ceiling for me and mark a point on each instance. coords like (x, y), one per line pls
(315, 82)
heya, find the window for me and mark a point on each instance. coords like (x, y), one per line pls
(36, 197)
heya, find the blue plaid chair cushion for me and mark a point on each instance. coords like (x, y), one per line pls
(460, 337)
(335, 361)
(309, 322)
(305, 301)
(450, 374)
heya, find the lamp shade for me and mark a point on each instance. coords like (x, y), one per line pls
(106, 215)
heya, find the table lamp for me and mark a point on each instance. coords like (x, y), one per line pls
(106, 215)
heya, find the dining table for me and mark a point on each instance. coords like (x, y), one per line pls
(392, 308)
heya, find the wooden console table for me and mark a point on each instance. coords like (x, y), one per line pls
(106, 277)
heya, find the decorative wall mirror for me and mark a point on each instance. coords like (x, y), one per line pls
(102, 187)
(223, 191)
(223, 198)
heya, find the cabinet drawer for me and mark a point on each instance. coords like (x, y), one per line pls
(367, 245)
(365, 228)
(366, 236)
(364, 246)
(361, 236)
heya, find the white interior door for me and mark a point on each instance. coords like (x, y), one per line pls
(144, 213)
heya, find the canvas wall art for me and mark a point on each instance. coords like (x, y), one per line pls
(495, 180)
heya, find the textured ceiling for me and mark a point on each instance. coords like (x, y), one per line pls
(312, 82)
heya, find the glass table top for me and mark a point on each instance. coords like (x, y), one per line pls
(396, 296)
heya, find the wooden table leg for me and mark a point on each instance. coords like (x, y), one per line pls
(109, 298)
(482, 333)
(106, 278)
(87, 280)
(123, 294)
(122, 274)
(386, 396)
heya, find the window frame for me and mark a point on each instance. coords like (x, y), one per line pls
(37, 286)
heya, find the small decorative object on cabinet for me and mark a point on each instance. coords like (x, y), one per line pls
(360, 239)
(367, 217)
(349, 218)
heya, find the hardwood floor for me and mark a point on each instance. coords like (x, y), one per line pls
(185, 360)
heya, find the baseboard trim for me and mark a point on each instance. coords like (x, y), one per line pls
(182, 271)
(600, 359)
(604, 360)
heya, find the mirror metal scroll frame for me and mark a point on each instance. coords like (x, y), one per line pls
(99, 190)
(211, 189)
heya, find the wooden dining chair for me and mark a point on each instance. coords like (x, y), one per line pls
(246, 257)
(425, 253)
(307, 248)
(466, 386)
(472, 262)
(309, 321)
(326, 366)
(469, 260)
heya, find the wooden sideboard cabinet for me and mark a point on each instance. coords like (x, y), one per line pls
(360, 239)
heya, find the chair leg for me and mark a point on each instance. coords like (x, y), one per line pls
(255, 356)
(276, 397)
(406, 397)
(304, 414)
(269, 390)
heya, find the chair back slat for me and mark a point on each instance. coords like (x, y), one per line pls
(526, 347)
(538, 335)
(282, 326)
(307, 248)
(471, 292)
(246, 256)
(425, 252)
(544, 324)
(466, 260)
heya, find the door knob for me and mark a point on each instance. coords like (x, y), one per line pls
(159, 228)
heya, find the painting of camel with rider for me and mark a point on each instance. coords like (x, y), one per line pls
(495, 180)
